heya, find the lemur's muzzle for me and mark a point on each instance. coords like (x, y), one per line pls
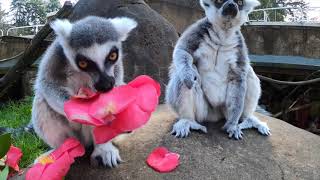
(230, 9)
(105, 83)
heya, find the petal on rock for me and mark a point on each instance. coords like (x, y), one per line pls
(162, 160)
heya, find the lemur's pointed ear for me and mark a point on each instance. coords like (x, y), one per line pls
(124, 26)
(61, 27)
(251, 4)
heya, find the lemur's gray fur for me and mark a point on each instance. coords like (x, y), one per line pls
(211, 77)
(60, 76)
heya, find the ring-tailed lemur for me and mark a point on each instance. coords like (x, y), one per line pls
(211, 76)
(86, 53)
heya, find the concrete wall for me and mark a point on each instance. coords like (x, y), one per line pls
(265, 39)
(283, 40)
(11, 46)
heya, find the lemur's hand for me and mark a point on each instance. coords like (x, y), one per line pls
(189, 76)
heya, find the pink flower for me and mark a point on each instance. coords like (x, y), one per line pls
(123, 109)
(162, 160)
(56, 165)
(13, 157)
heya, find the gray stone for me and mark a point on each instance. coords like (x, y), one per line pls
(290, 153)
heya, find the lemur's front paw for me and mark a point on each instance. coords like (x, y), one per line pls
(234, 131)
(264, 129)
(189, 77)
(182, 128)
(105, 154)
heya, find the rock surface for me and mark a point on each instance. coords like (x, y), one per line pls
(290, 153)
(149, 48)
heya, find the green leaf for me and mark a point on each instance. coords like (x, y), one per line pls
(5, 143)
(4, 173)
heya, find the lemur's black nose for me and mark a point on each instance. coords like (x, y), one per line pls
(230, 10)
(105, 84)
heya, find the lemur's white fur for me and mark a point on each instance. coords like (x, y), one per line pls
(211, 77)
(124, 26)
(59, 78)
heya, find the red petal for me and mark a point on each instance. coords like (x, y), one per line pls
(112, 102)
(70, 146)
(58, 169)
(104, 134)
(147, 98)
(35, 172)
(143, 80)
(85, 93)
(162, 160)
(77, 111)
(13, 157)
(63, 158)
(130, 119)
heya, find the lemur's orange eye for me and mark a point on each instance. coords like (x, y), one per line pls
(83, 64)
(219, 1)
(240, 2)
(113, 56)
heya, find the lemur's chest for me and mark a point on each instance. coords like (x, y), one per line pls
(215, 60)
(213, 63)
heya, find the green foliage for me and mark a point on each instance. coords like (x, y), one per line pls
(4, 173)
(52, 6)
(17, 115)
(28, 12)
(5, 143)
(280, 15)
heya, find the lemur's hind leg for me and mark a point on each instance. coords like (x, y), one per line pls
(52, 127)
(190, 106)
(254, 122)
(251, 103)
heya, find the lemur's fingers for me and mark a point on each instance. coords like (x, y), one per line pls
(235, 132)
(197, 126)
(264, 129)
(106, 155)
(189, 83)
(189, 77)
(182, 128)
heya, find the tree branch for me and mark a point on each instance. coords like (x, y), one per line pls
(32, 52)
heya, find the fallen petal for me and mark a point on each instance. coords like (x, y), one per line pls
(162, 160)
(13, 157)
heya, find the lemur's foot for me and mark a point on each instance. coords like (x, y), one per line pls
(182, 128)
(264, 129)
(234, 131)
(254, 122)
(105, 154)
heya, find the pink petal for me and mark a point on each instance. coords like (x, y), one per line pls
(162, 160)
(63, 158)
(144, 80)
(130, 119)
(112, 102)
(58, 169)
(35, 173)
(70, 146)
(77, 111)
(85, 93)
(13, 157)
(103, 134)
(147, 98)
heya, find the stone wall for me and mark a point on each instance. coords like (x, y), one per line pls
(283, 40)
(11, 46)
(262, 39)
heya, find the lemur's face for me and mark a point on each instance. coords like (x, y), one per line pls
(228, 13)
(93, 46)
